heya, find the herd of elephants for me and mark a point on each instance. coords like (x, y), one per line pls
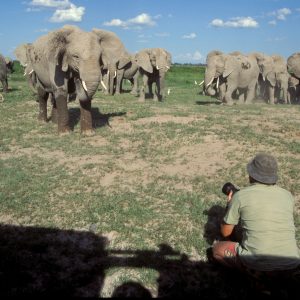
(71, 63)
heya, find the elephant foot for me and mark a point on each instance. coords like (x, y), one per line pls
(64, 133)
(87, 133)
(54, 119)
(229, 103)
(249, 102)
(134, 93)
(42, 119)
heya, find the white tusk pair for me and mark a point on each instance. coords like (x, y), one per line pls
(25, 73)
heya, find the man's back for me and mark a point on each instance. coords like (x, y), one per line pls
(266, 213)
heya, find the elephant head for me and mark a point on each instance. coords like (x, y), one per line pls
(215, 62)
(293, 64)
(154, 59)
(153, 64)
(114, 56)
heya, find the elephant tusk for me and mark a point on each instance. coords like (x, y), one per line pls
(157, 67)
(169, 91)
(115, 74)
(196, 82)
(218, 82)
(210, 82)
(201, 82)
(31, 72)
(84, 86)
(167, 67)
(25, 73)
(102, 83)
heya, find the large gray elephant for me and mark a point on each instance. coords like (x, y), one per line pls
(153, 65)
(129, 72)
(274, 72)
(235, 72)
(293, 64)
(64, 62)
(6, 66)
(114, 57)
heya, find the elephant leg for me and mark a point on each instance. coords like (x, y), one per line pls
(53, 118)
(142, 89)
(271, 91)
(160, 84)
(250, 94)
(119, 79)
(228, 95)
(86, 122)
(150, 89)
(62, 112)
(5, 85)
(241, 97)
(134, 90)
(42, 100)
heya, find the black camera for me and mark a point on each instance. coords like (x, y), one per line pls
(228, 187)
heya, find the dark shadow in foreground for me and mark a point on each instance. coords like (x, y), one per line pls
(53, 262)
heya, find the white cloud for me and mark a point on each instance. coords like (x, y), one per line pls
(238, 22)
(138, 21)
(65, 10)
(190, 36)
(73, 13)
(283, 13)
(50, 3)
(190, 57)
(273, 22)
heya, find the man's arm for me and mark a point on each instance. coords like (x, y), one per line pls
(226, 229)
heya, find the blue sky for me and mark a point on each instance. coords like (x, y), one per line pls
(188, 29)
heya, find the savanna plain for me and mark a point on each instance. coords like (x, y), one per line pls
(138, 202)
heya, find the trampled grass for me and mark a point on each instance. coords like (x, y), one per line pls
(148, 183)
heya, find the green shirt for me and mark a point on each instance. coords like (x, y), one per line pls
(266, 215)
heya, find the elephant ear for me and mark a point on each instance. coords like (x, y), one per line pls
(143, 61)
(228, 66)
(112, 47)
(271, 77)
(58, 40)
(124, 60)
(21, 54)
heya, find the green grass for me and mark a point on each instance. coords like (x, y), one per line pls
(149, 176)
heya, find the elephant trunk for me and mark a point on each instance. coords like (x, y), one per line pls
(87, 85)
(210, 74)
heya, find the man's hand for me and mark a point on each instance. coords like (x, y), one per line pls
(229, 197)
